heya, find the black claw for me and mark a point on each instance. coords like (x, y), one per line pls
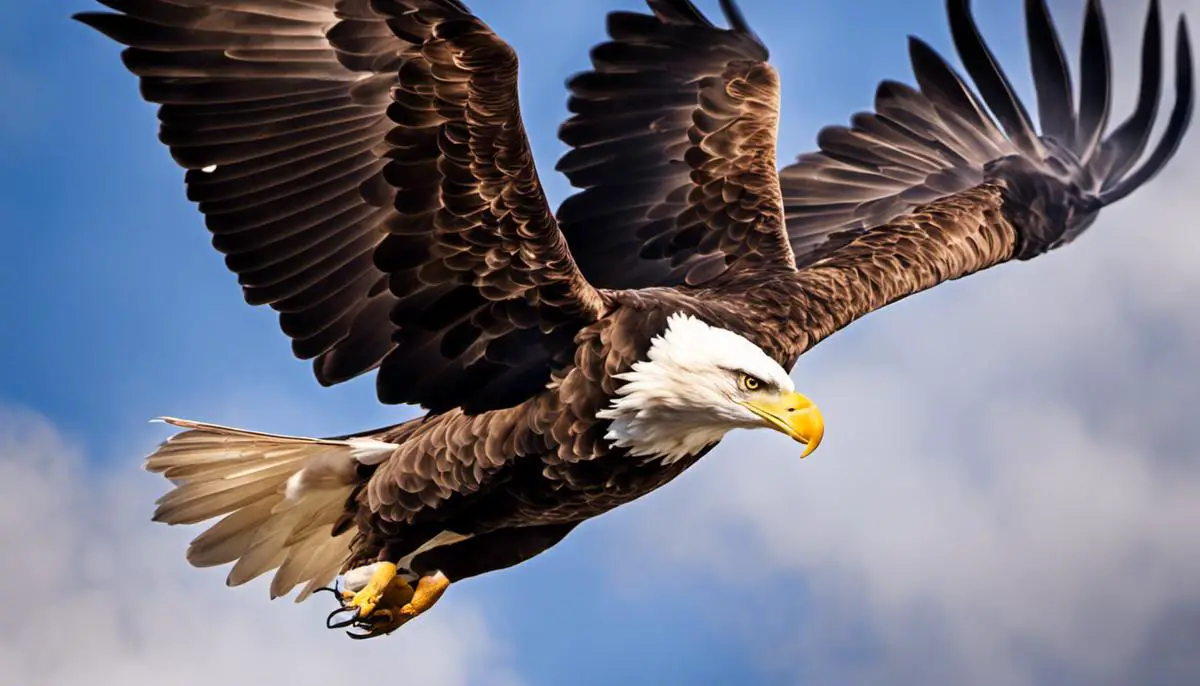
(353, 618)
(337, 592)
(366, 629)
(369, 629)
(371, 626)
(362, 636)
(368, 626)
(340, 625)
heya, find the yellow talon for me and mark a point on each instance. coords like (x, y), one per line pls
(429, 590)
(388, 602)
(397, 594)
(366, 599)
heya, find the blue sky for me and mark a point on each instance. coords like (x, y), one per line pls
(1007, 483)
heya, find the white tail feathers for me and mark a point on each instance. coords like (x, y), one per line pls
(280, 497)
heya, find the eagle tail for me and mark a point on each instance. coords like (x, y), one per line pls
(280, 499)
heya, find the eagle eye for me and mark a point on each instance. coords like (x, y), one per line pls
(749, 383)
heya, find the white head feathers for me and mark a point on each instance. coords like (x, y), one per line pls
(684, 396)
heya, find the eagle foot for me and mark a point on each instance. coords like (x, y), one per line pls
(374, 612)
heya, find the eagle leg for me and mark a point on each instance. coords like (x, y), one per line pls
(429, 590)
(374, 612)
(390, 614)
(366, 599)
(383, 587)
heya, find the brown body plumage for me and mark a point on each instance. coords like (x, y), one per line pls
(363, 166)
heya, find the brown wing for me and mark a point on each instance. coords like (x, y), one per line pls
(673, 138)
(930, 188)
(363, 166)
(923, 144)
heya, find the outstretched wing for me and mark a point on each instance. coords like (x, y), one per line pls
(363, 166)
(923, 144)
(673, 141)
(930, 187)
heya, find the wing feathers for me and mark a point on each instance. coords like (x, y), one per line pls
(673, 139)
(276, 128)
(1051, 75)
(929, 187)
(988, 76)
(929, 143)
(1095, 83)
(1177, 124)
(328, 142)
(1121, 150)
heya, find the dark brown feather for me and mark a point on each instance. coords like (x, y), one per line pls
(289, 121)
(673, 142)
(923, 144)
(370, 167)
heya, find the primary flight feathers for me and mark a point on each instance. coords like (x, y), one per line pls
(927, 143)
(363, 166)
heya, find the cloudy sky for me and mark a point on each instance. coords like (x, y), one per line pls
(1008, 492)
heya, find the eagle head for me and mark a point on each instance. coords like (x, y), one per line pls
(699, 382)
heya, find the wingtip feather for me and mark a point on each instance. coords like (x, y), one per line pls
(736, 18)
(1095, 75)
(1177, 123)
(1051, 74)
(990, 80)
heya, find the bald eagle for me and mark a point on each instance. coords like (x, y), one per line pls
(363, 167)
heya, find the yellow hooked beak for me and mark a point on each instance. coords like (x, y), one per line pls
(792, 414)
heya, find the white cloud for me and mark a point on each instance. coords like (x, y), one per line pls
(1009, 491)
(94, 592)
